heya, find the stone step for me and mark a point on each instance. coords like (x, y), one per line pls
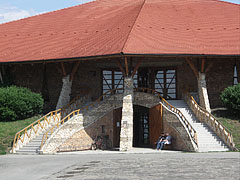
(212, 149)
(207, 139)
(34, 151)
(212, 145)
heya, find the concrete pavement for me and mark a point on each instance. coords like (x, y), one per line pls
(137, 164)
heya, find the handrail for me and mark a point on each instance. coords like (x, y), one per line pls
(191, 130)
(41, 123)
(206, 117)
(69, 116)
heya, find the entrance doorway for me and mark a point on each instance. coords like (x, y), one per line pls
(141, 127)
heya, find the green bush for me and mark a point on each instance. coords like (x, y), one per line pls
(231, 98)
(19, 103)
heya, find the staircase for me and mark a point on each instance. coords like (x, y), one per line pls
(207, 140)
(34, 145)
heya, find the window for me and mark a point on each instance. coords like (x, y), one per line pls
(165, 83)
(112, 80)
(235, 76)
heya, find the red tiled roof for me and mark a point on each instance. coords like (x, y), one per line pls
(106, 27)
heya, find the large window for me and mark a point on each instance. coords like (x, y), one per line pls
(112, 80)
(165, 83)
(235, 76)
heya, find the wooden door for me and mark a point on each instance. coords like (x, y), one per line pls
(155, 123)
(117, 116)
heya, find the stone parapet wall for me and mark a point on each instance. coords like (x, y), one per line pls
(181, 139)
(62, 134)
(83, 139)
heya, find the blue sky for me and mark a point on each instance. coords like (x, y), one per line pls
(16, 9)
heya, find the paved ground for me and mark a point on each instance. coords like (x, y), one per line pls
(138, 164)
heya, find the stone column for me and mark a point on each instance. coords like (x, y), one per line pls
(64, 97)
(202, 91)
(126, 135)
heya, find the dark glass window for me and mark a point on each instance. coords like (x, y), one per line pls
(112, 80)
(235, 76)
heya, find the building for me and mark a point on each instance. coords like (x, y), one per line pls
(164, 49)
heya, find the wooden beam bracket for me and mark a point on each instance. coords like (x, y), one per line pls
(203, 65)
(136, 68)
(121, 68)
(63, 70)
(74, 70)
(126, 65)
(194, 69)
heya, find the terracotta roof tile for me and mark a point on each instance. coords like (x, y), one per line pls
(106, 27)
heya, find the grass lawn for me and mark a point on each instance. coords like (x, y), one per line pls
(232, 123)
(8, 131)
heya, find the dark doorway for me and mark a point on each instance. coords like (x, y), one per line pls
(141, 127)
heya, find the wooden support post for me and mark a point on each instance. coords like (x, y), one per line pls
(121, 68)
(74, 70)
(136, 67)
(63, 70)
(161, 117)
(203, 65)
(194, 69)
(126, 65)
(209, 67)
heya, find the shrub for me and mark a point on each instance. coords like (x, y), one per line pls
(231, 98)
(19, 103)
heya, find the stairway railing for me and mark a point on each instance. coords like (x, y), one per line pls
(42, 124)
(204, 116)
(76, 112)
(191, 130)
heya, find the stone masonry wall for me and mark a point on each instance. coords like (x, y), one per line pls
(83, 139)
(86, 82)
(180, 138)
(218, 78)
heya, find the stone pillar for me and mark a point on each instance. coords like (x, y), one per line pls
(202, 91)
(126, 135)
(64, 97)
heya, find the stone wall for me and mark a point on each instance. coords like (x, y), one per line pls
(218, 78)
(83, 139)
(186, 78)
(86, 82)
(180, 137)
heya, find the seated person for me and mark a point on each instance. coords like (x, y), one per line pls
(160, 139)
(167, 140)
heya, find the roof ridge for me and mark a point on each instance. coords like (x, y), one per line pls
(132, 26)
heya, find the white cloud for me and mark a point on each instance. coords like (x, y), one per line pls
(10, 13)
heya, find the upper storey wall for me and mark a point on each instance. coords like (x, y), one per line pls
(88, 78)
